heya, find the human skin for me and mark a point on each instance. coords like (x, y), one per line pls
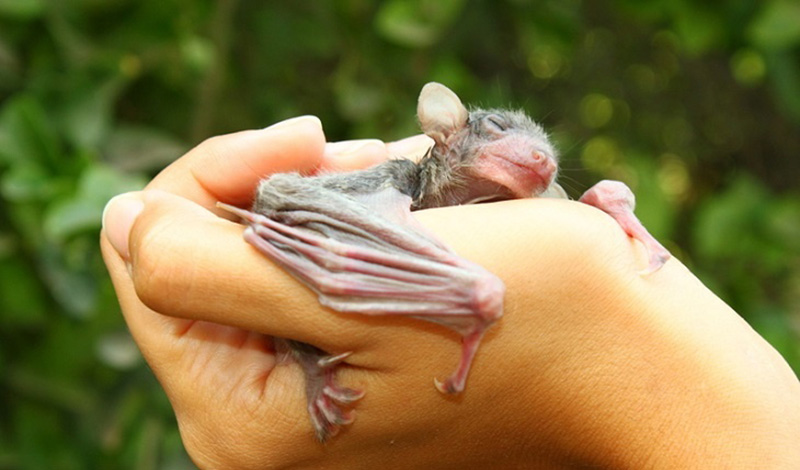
(591, 365)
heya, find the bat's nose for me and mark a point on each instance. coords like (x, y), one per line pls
(546, 166)
(541, 157)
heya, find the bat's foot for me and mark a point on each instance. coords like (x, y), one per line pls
(326, 398)
(469, 346)
(617, 200)
(658, 257)
(325, 405)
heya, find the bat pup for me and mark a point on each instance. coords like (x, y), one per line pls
(351, 238)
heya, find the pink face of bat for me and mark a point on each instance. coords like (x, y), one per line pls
(498, 154)
(512, 152)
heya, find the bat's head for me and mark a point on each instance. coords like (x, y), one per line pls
(500, 154)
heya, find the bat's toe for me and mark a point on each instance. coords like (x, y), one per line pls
(448, 387)
(658, 258)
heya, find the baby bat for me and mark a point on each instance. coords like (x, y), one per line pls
(351, 238)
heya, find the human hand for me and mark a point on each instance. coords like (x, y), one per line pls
(592, 364)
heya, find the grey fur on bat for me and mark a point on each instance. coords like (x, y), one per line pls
(351, 238)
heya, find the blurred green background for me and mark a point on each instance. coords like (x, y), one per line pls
(694, 103)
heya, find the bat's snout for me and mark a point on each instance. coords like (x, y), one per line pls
(544, 165)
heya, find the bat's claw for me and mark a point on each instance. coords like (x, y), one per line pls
(343, 395)
(330, 361)
(326, 399)
(448, 387)
(469, 346)
(658, 257)
(326, 413)
(617, 200)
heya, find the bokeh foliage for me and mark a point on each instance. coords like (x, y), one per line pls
(694, 103)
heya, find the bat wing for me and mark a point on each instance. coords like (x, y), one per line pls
(367, 254)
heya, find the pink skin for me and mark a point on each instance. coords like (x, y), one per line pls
(616, 199)
(510, 163)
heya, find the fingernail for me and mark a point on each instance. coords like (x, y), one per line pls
(411, 147)
(118, 217)
(300, 120)
(353, 154)
(350, 147)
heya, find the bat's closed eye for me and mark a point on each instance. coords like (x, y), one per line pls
(495, 123)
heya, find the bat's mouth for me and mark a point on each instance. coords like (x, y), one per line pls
(523, 177)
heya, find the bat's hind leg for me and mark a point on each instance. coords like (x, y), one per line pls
(325, 398)
(617, 200)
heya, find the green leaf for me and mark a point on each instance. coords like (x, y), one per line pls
(21, 295)
(778, 330)
(355, 99)
(87, 116)
(138, 148)
(26, 133)
(197, 53)
(416, 23)
(118, 350)
(653, 206)
(21, 9)
(74, 288)
(783, 222)
(748, 67)
(700, 28)
(724, 225)
(786, 81)
(82, 212)
(777, 26)
(28, 181)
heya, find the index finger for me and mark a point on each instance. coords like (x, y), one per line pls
(228, 167)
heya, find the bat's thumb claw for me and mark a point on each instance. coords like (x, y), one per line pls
(447, 387)
(330, 361)
(658, 258)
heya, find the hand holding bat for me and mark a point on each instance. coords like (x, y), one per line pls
(586, 342)
(351, 238)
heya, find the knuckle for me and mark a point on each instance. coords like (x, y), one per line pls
(216, 147)
(157, 279)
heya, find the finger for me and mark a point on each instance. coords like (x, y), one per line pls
(352, 155)
(228, 168)
(413, 148)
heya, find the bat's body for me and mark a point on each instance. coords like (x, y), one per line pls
(351, 237)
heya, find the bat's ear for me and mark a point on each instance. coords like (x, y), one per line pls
(440, 112)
